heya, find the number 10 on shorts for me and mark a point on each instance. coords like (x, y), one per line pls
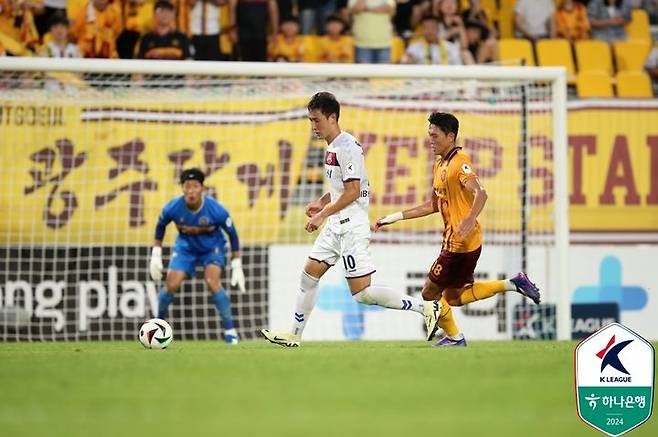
(349, 263)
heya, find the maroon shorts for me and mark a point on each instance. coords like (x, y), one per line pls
(454, 269)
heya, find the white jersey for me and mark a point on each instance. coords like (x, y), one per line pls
(344, 162)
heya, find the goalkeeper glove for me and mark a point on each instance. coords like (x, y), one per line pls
(155, 266)
(237, 275)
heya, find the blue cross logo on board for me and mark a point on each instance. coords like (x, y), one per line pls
(611, 289)
(337, 297)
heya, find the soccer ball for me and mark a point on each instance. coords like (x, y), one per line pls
(155, 334)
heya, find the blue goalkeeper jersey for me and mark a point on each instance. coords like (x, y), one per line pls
(205, 227)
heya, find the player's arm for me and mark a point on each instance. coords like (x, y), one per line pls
(317, 205)
(237, 274)
(422, 210)
(351, 192)
(155, 265)
(479, 199)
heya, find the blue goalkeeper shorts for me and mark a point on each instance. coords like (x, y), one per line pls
(185, 261)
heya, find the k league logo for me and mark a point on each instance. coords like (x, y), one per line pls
(610, 357)
(614, 379)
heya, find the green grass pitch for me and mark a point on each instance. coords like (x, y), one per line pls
(320, 389)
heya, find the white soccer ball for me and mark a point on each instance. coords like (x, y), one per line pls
(155, 334)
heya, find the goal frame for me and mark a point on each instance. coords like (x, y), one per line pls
(555, 75)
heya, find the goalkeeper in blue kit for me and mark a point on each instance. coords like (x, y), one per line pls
(201, 223)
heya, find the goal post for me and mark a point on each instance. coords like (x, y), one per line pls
(96, 146)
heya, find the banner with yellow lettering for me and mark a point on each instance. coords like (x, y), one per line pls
(91, 173)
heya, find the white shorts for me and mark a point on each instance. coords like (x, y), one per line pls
(351, 248)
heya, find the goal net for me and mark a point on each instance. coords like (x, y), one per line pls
(92, 150)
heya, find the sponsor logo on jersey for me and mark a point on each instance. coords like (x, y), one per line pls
(466, 169)
(330, 158)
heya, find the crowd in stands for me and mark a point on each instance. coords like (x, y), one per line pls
(449, 32)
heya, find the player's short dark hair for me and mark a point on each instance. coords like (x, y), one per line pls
(326, 103)
(192, 174)
(445, 121)
(164, 4)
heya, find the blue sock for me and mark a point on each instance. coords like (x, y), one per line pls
(164, 299)
(223, 305)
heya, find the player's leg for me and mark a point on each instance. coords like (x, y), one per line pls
(485, 289)
(323, 255)
(181, 266)
(307, 296)
(359, 266)
(213, 267)
(366, 293)
(473, 291)
(441, 275)
(166, 296)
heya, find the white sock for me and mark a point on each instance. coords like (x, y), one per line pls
(232, 332)
(306, 299)
(389, 298)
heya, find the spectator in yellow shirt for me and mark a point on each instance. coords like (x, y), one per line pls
(97, 27)
(17, 21)
(571, 21)
(334, 46)
(287, 46)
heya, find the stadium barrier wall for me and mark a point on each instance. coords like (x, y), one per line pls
(112, 301)
(606, 274)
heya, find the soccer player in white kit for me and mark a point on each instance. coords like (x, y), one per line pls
(346, 237)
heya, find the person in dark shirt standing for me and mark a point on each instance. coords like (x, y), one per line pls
(164, 41)
(248, 26)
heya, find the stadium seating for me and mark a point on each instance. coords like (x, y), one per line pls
(506, 18)
(514, 50)
(556, 52)
(638, 28)
(490, 8)
(634, 84)
(311, 48)
(594, 83)
(593, 55)
(630, 55)
(225, 44)
(397, 49)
